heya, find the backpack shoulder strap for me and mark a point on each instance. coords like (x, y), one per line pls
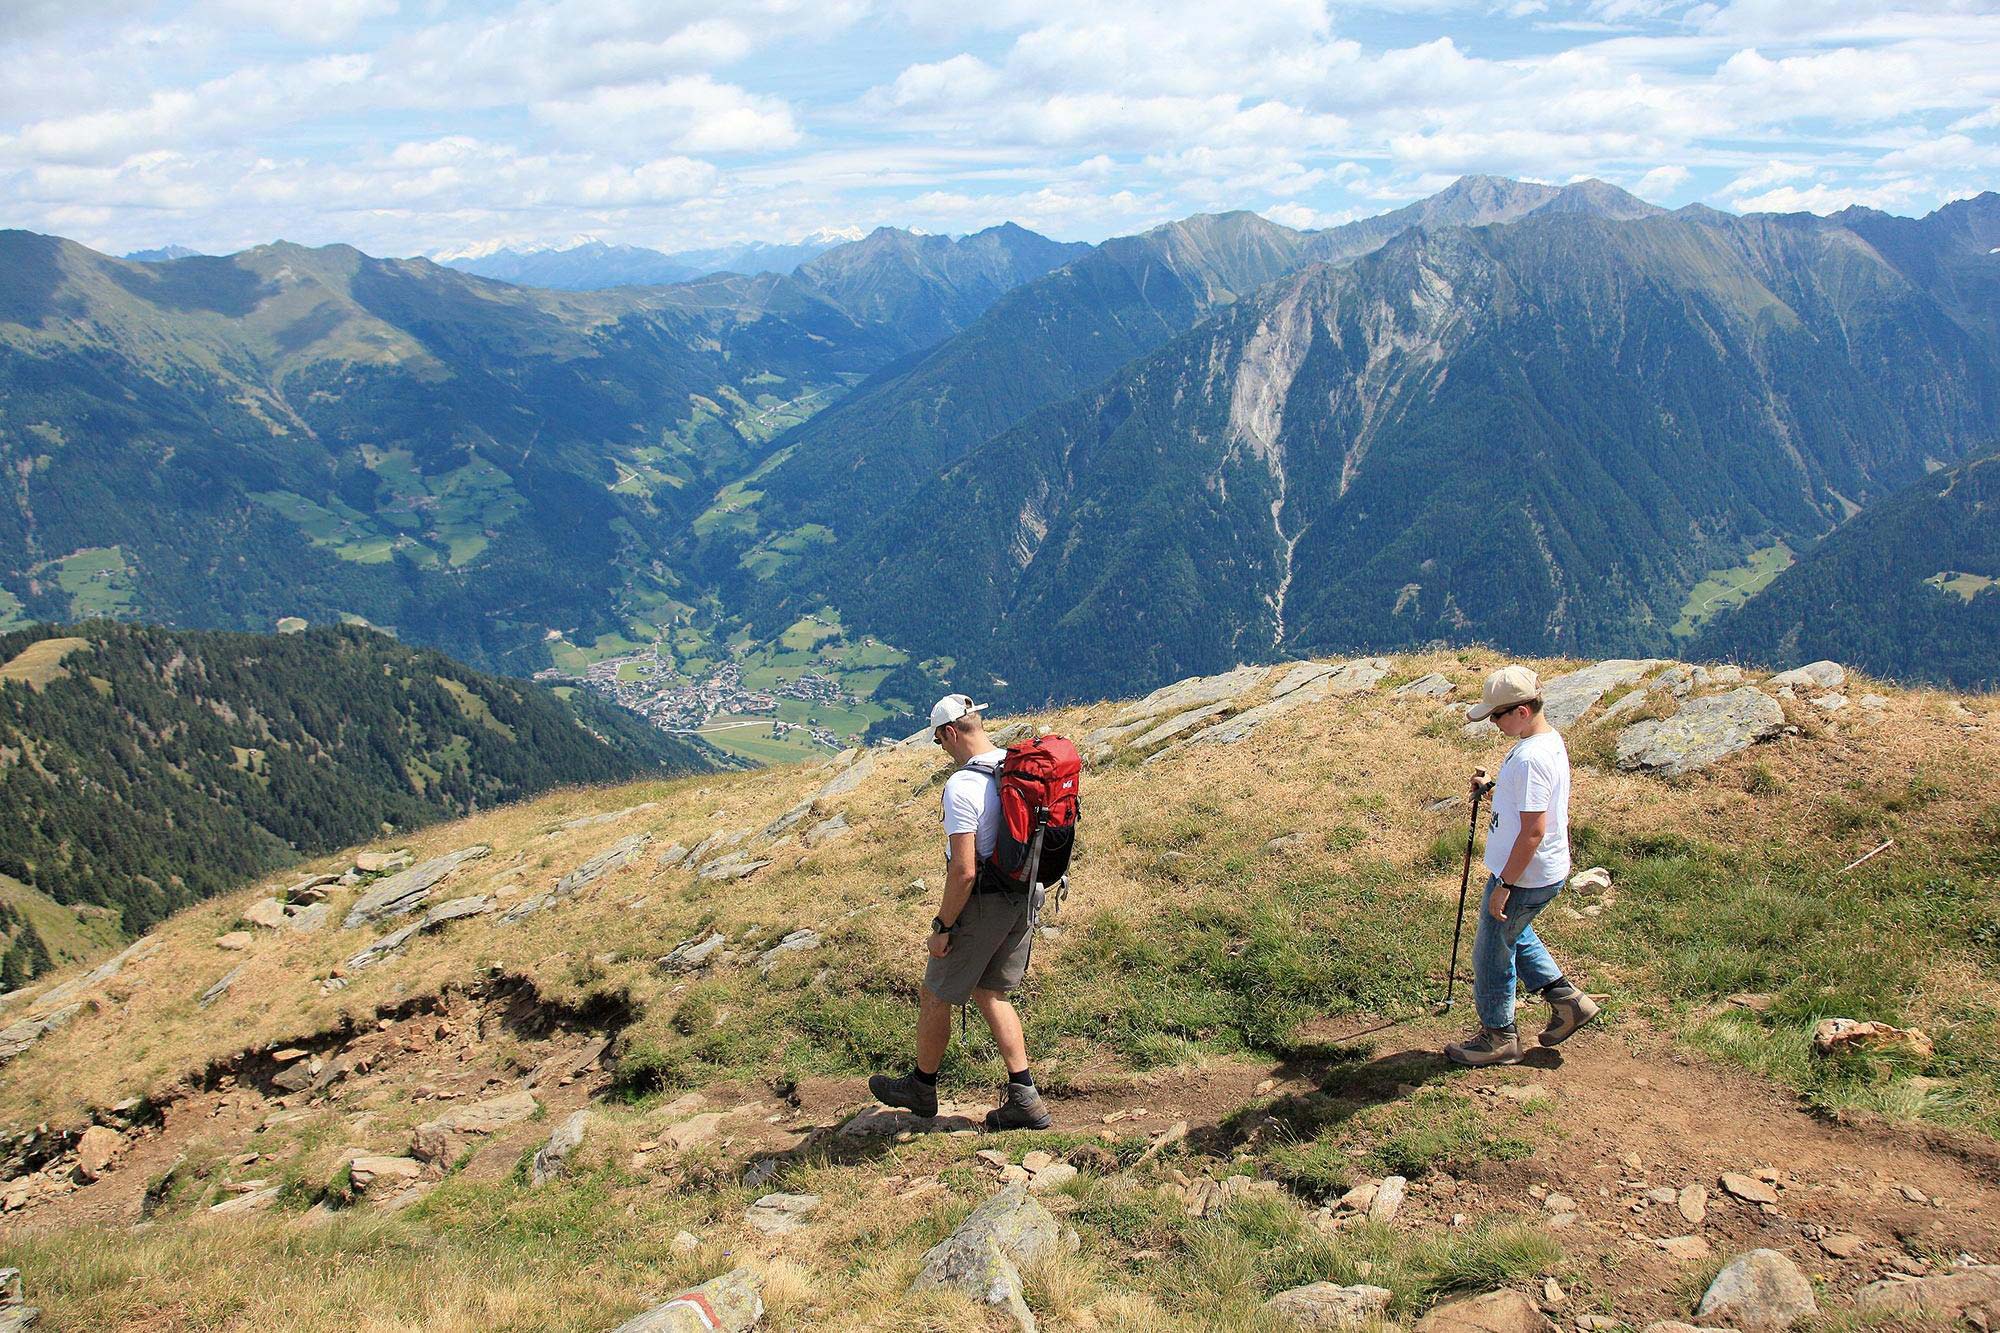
(991, 770)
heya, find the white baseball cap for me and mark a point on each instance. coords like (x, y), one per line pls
(951, 708)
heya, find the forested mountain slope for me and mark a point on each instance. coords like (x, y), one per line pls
(143, 769)
(1049, 339)
(227, 441)
(1537, 434)
(1908, 589)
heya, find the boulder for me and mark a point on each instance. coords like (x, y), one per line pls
(381, 863)
(1389, 1195)
(1178, 724)
(732, 1303)
(375, 1176)
(1971, 1293)
(1703, 732)
(1434, 685)
(1631, 703)
(440, 1140)
(781, 1214)
(1566, 698)
(552, 1158)
(266, 912)
(1594, 880)
(386, 946)
(1326, 1305)
(1194, 692)
(406, 890)
(235, 941)
(455, 910)
(1495, 1312)
(308, 918)
(614, 857)
(847, 779)
(799, 941)
(982, 1258)
(1759, 1290)
(692, 955)
(95, 1149)
(1356, 677)
(826, 831)
(732, 866)
(1245, 724)
(1821, 675)
(1299, 674)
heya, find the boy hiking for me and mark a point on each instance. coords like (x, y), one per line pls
(980, 938)
(1527, 860)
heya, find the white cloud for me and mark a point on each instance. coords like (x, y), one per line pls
(1662, 183)
(318, 22)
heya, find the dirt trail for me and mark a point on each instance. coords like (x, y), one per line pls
(1628, 1115)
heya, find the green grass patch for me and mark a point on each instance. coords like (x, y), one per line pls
(1721, 589)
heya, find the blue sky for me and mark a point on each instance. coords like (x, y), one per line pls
(442, 126)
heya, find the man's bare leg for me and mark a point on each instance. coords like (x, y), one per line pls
(1005, 1023)
(934, 1030)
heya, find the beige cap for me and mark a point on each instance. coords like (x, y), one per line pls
(1505, 688)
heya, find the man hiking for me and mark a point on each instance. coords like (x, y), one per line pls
(979, 939)
(1527, 860)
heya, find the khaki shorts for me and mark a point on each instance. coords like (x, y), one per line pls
(988, 952)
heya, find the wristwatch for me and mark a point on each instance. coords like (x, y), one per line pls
(939, 927)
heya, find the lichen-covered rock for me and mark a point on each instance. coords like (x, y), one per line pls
(552, 1158)
(1327, 1305)
(405, 890)
(732, 1303)
(1566, 698)
(1194, 692)
(1759, 1290)
(1702, 733)
(781, 1214)
(982, 1258)
(1821, 675)
(692, 955)
(732, 865)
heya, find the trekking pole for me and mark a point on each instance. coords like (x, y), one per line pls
(1464, 886)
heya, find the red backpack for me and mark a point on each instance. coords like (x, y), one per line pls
(1041, 785)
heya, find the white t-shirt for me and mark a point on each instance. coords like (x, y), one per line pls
(1535, 777)
(969, 806)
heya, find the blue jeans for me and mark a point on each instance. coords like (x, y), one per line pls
(1505, 952)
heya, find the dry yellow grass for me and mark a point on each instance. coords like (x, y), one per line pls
(40, 662)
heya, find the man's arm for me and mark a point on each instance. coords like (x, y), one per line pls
(961, 868)
(1534, 827)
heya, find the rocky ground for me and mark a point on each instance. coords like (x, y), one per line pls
(536, 1033)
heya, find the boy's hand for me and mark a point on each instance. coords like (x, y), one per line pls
(1480, 784)
(939, 944)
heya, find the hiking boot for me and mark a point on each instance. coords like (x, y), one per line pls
(1572, 1009)
(1493, 1046)
(908, 1093)
(1020, 1108)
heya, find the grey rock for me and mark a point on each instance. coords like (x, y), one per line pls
(221, 987)
(1434, 685)
(440, 1140)
(826, 831)
(455, 910)
(1300, 674)
(982, 1258)
(20, 1036)
(309, 918)
(14, 1318)
(1759, 1290)
(406, 890)
(799, 941)
(848, 778)
(1703, 732)
(1494, 1312)
(1388, 1200)
(1959, 1293)
(552, 1158)
(732, 1303)
(1245, 724)
(1179, 723)
(733, 865)
(673, 856)
(1831, 703)
(527, 907)
(1105, 737)
(692, 955)
(1626, 706)
(781, 1214)
(256, 1201)
(1194, 692)
(1356, 677)
(618, 855)
(387, 946)
(1822, 675)
(1326, 1305)
(1566, 698)
(786, 822)
(104, 971)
